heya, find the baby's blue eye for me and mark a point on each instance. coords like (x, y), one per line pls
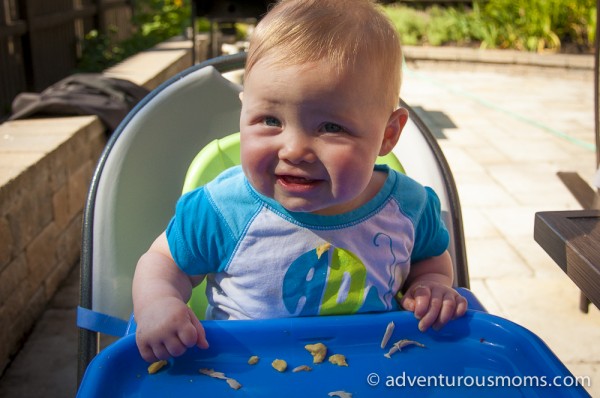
(272, 122)
(332, 128)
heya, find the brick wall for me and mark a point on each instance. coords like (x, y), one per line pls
(45, 170)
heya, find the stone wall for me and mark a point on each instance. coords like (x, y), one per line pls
(577, 67)
(50, 163)
(45, 169)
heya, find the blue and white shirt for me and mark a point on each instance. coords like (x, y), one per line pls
(263, 261)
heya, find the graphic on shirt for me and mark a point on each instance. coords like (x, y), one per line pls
(387, 239)
(329, 280)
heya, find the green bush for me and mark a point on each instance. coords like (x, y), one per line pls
(449, 25)
(531, 25)
(411, 24)
(155, 21)
(162, 19)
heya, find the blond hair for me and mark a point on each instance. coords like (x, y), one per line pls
(342, 32)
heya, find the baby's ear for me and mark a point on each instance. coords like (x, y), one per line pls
(393, 129)
(241, 96)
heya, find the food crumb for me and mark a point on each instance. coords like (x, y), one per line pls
(233, 383)
(318, 351)
(279, 364)
(213, 373)
(338, 359)
(302, 368)
(399, 345)
(156, 366)
(388, 333)
(341, 394)
(253, 360)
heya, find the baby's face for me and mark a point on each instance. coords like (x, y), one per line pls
(310, 135)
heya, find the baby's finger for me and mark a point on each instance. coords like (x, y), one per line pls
(175, 347)
(454, 307)
(408, 301)
(145, 347)
(199, 336)
(188, 334)
(147, 353)
(422, 296)
(160, 352)
(435, 306)
(461, 307)
(447, 311)
(201, 341)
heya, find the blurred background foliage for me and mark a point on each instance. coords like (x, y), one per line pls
(155, 21)
(526, 25)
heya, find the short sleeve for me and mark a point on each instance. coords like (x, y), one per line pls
(198, 239)
(431, 236)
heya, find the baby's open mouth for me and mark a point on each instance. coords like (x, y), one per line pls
(288, 179)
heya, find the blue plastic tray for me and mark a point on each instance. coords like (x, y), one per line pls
(474, 350)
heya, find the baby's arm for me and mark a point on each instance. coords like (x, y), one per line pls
(166, 326)
(430, 294)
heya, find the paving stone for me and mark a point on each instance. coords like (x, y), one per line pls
(534, 130)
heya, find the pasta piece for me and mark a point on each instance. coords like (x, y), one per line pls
(341, 394)
(318, 351)
(279, 364)
(338, 359)
(302, 368)
(388, 333)
(233, 383)
(156, 366)
(399, 345)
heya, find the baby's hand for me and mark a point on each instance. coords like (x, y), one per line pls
(433, 303)
(166, 329)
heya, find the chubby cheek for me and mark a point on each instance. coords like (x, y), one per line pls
(257, 166)
(349, 175)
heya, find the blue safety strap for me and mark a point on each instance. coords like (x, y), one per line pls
(111, 325)
(103, 323)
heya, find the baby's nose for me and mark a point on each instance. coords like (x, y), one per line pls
(297, 147)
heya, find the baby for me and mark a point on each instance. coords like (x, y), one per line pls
(308, 225)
